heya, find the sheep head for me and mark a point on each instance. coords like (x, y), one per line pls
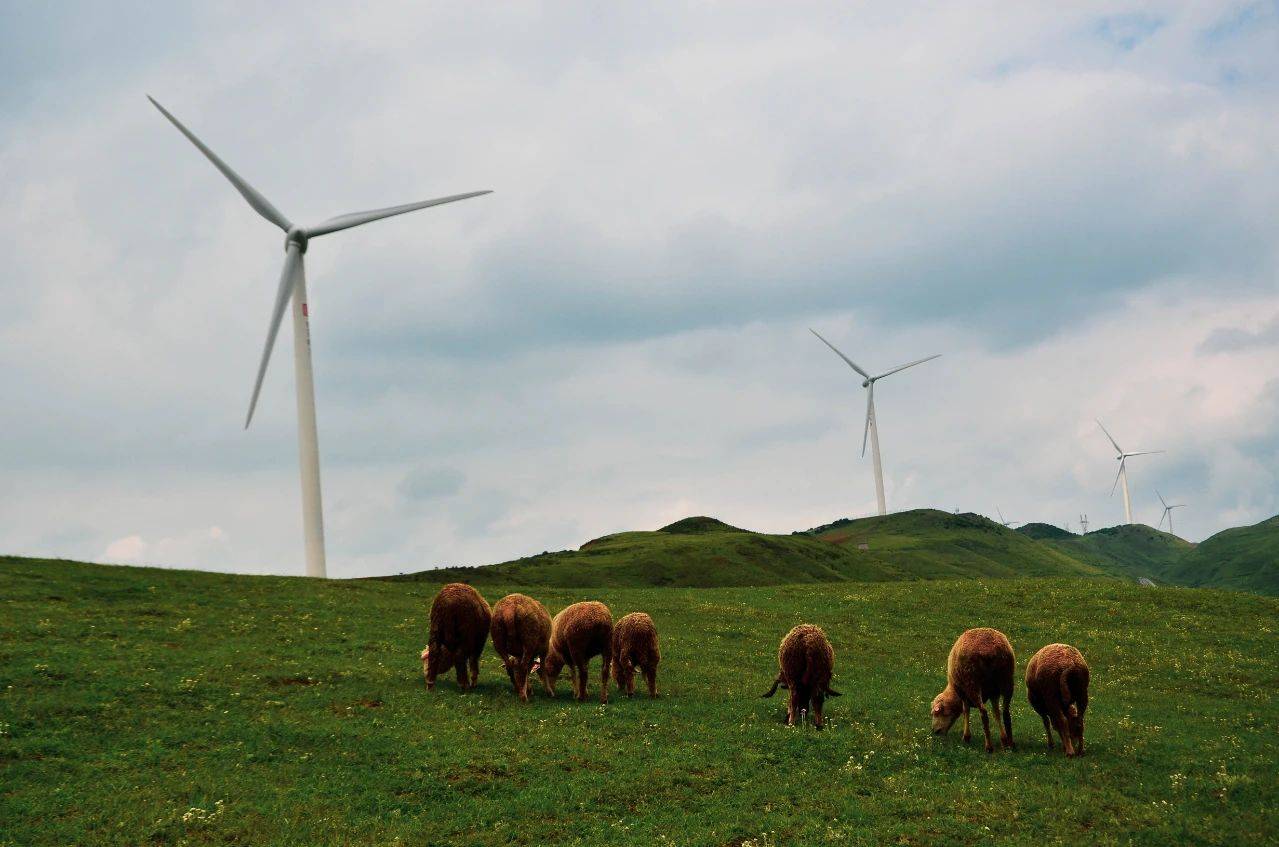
(947, 706)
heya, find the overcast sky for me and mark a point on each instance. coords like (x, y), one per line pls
(1077, 208)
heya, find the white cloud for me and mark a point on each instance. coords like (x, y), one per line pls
(1074, 207)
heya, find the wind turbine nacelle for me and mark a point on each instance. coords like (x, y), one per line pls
(867, 383)
(296, 235)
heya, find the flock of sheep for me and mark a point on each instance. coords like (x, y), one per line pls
(979, 669)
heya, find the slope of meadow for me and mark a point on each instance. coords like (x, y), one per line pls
(142, 706)
(1245, 558)
(1131, 550)
(703, 552)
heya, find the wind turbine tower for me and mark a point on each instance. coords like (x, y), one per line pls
(871, 431)
(1167, 511)
(1122, 476)
(1083, 521)
(293, 287)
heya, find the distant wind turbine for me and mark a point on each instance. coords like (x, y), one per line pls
(293, 286)
(872, 427)
(1122, 458)
(1083, 521)
(1005, 523)
(1167, 511)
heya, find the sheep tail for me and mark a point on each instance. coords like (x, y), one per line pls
(773, 690)
(830, 692)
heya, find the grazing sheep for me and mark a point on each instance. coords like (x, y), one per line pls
(1057, 686)
(459, 628)
(579, 633)
(521, 636)
(980, 668)
(635, 644)
(806, 661)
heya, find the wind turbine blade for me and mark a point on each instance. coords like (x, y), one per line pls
(1161, 498)
(1144, 453)
(288, 278)
(1162, 518)
(851, 363)
(870, 408)
(1118, 449)
(259, 203)
(1002, 520)
(1117, 475)
(907, 365)
(356, 218)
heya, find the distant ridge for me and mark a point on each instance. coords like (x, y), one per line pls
(1040, 531)
(703, 551)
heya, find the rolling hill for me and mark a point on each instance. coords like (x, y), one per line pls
(704, 552)
(1134, 550)
(917, 544)
(1245, 557)
(694, 552)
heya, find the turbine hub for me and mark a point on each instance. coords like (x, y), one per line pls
(297, 236)
(867, 383)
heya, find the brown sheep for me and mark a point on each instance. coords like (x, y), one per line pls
(579, 633)
(521, 636)
(806, 661)
(635, 644)
(1057, 686)
(459, 628)
(980, 668)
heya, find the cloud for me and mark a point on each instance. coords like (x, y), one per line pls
(1229, 338)
(430, 483)
(1066, 201)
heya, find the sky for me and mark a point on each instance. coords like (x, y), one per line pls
(1075, 206)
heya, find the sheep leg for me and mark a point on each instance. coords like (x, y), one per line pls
(606, 661)
(793, 705)
(1004, 720)
(460, 668)
(583, 674)
(968, 733)
(510, 672)
(1007, 735)
(650, 676)
(985, 723)
(1048, 730)
(520, 680)
(1059, 720)
(475, 671)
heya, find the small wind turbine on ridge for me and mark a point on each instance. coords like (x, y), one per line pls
(1167, 511)
(1123, 458)
(1006, 523)
(871, 431)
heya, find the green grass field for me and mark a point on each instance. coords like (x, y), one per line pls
(143, 706)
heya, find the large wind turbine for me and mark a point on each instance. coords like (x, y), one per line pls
(293, 286)
(872, 427)
(1167, 511)
(1122, 458)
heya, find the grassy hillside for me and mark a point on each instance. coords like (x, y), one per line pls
(1134, 550)
(929, 544)
(704, 552)
(696, 552)
(1245, 558)
(144, 706)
